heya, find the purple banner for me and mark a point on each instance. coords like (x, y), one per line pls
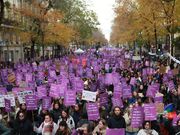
(137, 117)
(127, 92)
(103, 99)
(92, 111)
(70, 98)
(31, 102)
(41, 91)
(171, 85)
(150, 112)
(46, 103)
(7, 105)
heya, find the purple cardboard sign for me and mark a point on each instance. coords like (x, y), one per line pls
(117, 102)
(54, 91)
(7, 105)
(31, 102)
(171, 85)
(103, 99)
(109, 78)
(115, 131)
(170, 73)
(52, 73)
(92, 111)
(29, 77)
(46, 103)
(3, 91)
(117, 91)
(151, 91)
(133, 81)
(150, 112)
(70, 98)
(127, 92)
(41, 91)
(137, 117)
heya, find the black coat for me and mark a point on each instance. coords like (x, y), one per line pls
(23, 127)
(116, 122)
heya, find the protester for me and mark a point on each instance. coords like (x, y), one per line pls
(63, 129)
(67, 118)
(22, 126)
(116, 120)
(81, 90)
(47, 127)
(147, 129)
(100, 129)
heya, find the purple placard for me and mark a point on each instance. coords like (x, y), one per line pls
(137, 117)
(170, 73)
(150, 112)
(171, 85)
(54, 91)
(3, 91)
(70, 98)
(46, 103)
(31, 102)
(103, 99)
(7, 105)
(117, 102)
(29, 77)
(127, 92)
(151, 91)
(109, 78)
(133, 81)
(92, 111)
(41, 91)
(115, 131)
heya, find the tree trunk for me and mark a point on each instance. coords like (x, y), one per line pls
(155, 32)
(1, 10)
(32, 49)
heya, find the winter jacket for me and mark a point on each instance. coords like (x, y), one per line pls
(116, 122)
(69, 121)
(22, 127)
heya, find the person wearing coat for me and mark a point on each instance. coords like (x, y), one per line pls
(22, 126)
(100, 129)
(67, 118)
(48, 127)
(116, 120)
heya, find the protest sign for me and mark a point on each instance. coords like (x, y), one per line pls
(31, 102)
(41, 91)
(89, 96)
(127, 91)
(92, 111)
(115, 131)
(70, 98)
(22, 94)
(103, 99)
(171, 85)
(117, 102)
(7, 105)
(46, 103)
(150, 112)
(137, 117)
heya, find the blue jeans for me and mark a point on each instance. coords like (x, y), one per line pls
(131, 133)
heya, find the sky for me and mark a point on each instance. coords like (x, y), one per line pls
(104, 10)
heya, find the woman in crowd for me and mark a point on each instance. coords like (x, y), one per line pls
(100, 129)
(63, 129)
(147, 129)
(56, 111)
(22, 126)
(116, 120)
(67, 118)
(48, 127)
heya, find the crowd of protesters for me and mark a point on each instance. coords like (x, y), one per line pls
(61, 119)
